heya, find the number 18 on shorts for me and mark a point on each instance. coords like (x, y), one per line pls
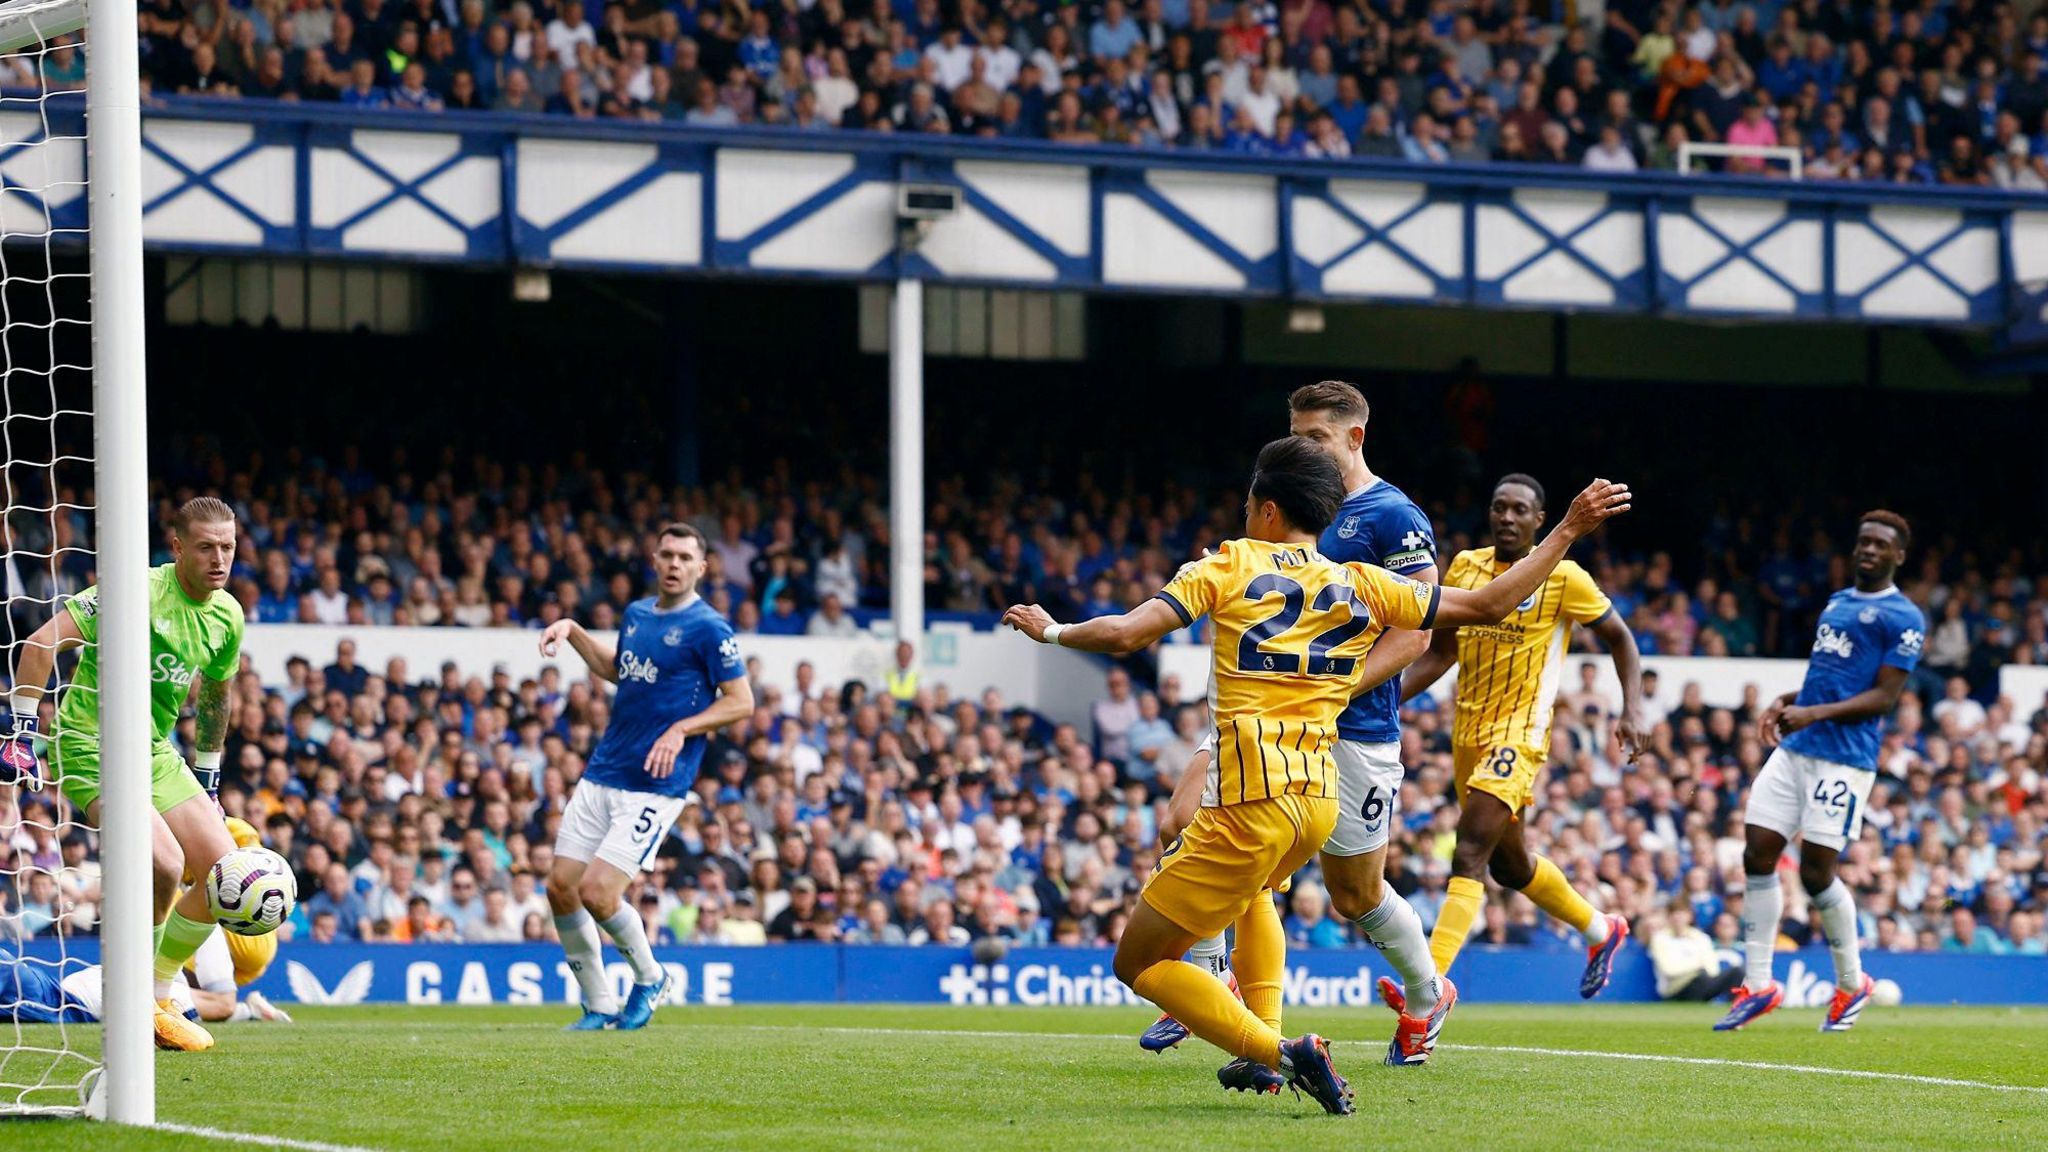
(618, 827)
(1820, 800)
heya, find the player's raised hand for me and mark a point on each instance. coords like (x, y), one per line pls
(661, 759)
(1029, 619)
(551, 640)
(1600, 502)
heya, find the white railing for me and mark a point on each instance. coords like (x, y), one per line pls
(1791, 157)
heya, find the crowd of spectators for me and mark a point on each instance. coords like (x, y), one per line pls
(418, 803)
(422, 809)
(510, 546)
(1912, 91)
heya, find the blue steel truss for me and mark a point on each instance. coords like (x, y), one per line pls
(497, 190)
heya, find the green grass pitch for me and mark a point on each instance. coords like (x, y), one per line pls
(453, 1079)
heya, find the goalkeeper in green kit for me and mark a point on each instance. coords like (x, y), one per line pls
(195, 633)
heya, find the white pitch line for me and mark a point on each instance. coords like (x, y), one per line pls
(1646, 1057)
(257, 1139)
(1760, 1065)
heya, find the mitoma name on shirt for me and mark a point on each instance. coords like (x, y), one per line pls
(1832, 642)
(632, 667)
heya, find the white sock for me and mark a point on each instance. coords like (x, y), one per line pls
(1212, 956)
(162, 988)
(1596, 932)
(1763, 905)
(1837, 907)
(1396, 931)
(629, 932)
(586, 959)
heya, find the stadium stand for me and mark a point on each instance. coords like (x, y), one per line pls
(419, 810)
(512, 547)
(1949, 92)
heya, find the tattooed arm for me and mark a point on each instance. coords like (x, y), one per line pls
(210, 718)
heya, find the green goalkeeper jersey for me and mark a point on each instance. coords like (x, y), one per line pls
(187, 637)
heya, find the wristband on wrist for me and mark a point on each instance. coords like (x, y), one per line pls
(1052, 634)
(24, 703)
(206, 766)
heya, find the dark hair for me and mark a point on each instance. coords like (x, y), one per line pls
(1336, 397)
(1525, 480)
(687, 531)
(1302, 480)
(201, 510)
(1891, 520)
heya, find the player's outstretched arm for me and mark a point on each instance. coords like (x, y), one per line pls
(1398, 649)
(1430, 668)
(1601, 501)
(602, 659)
(39, 655)
(31, 683)
(1119, 635)
(1628, 665)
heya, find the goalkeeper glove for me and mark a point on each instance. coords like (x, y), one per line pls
(18, 753)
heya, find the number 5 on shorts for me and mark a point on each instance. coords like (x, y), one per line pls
(646, 831)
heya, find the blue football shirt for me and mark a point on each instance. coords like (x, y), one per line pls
(670, 666)
(1378, 524)
(1859, 633)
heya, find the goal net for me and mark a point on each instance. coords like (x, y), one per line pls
(52, 895)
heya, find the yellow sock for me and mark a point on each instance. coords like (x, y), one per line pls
(1260, 961)
(1205, 1005)
(1554, 894)
(1461, 908)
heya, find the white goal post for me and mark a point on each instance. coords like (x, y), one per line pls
(40, 227)
(113, 104)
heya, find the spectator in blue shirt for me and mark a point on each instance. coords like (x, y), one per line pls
(1349, 109)
(759, 53)
(1148, 738)
(362, 90)
(1780, 74)
(338, 895)
(1308, 921)
(784, 620)
(1114, 34)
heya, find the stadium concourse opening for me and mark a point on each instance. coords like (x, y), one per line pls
(759, 385)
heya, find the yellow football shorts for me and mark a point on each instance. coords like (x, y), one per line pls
(1506, 772)
(1227, 855)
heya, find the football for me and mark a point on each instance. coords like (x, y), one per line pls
(251, 891)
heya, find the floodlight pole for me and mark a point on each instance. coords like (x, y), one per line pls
(906, 460)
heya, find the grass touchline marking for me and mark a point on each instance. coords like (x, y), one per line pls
(1500, 1049)
(1761, 1065)
(256, 1138)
